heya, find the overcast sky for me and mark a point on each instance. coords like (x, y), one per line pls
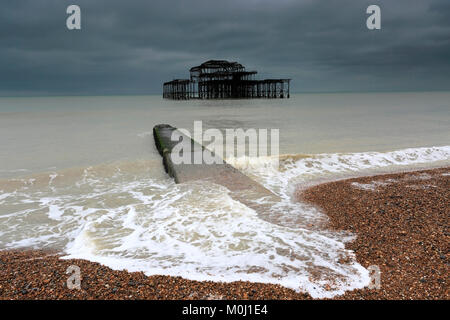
(132, 47)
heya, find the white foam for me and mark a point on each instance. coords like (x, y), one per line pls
(369, 186)
(136, 222)
(145, 134)
(14, 170)
(294, 170)
(217, 239)
(5, 195)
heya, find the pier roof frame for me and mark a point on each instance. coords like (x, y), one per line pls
(175, 81)
(227, 73)
(219, 65)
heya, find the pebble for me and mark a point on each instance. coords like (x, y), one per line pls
(406, 241)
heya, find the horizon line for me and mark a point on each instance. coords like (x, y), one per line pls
(156, 94)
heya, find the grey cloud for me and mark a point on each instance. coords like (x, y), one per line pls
(131, 47)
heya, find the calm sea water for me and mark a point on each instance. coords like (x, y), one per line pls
(81, 174)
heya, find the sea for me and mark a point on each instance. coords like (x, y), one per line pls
(81, 175)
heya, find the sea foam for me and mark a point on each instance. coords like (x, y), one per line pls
(127, 216)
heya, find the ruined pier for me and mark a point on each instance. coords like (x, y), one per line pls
(220, 79)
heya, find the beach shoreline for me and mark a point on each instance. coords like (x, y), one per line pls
(400, 219)
(402, 225)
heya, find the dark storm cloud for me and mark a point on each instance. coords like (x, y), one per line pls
(131, 47)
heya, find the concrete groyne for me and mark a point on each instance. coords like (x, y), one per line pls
(241, 187)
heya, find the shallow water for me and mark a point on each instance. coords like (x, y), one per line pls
(81, 174)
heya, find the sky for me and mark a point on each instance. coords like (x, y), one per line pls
(132, 47)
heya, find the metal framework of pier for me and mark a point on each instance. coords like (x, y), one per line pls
(220, 79)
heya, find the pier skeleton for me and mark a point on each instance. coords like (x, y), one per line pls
(220, 79)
